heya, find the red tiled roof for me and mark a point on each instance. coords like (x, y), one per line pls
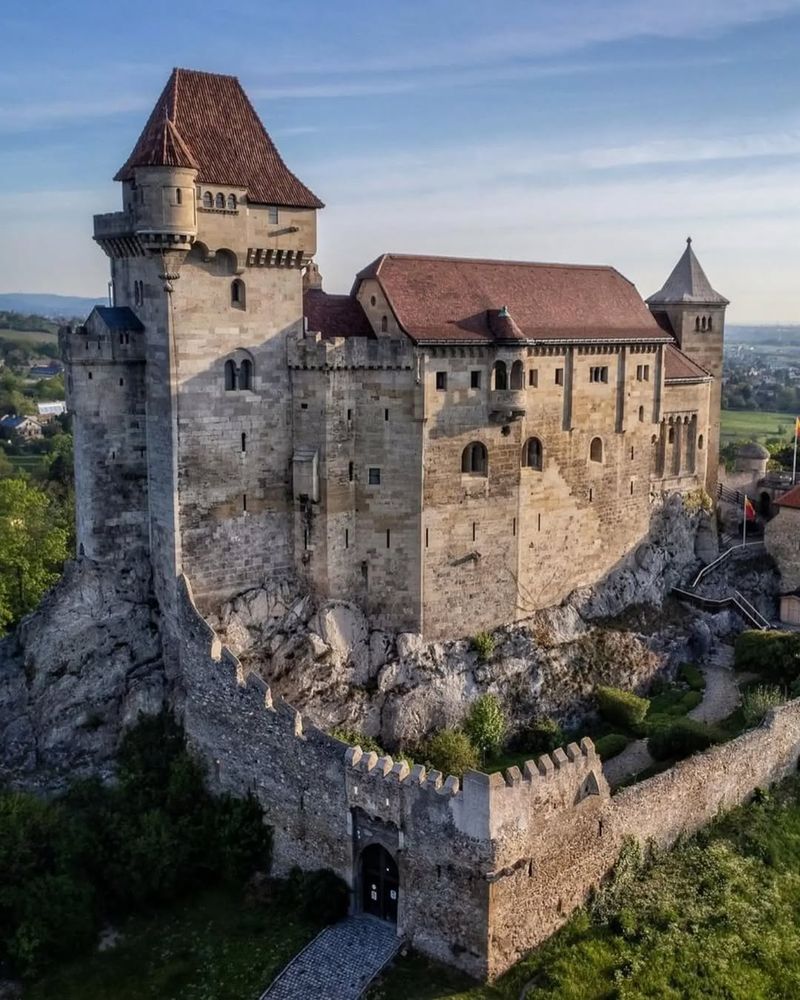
(161, 145)
(679, 366)
(447, 299)
(335, 315)
(218, 128)
(790, 499)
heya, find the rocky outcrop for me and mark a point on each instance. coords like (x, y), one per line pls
(330, 665)
(76, 672)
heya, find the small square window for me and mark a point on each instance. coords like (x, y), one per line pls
(272, 215)
(643, 373)
(475, 380)
(533, 377)
(559, 376)
(374, 477)
(441, 381)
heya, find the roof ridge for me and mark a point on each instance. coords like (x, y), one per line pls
(495, 260)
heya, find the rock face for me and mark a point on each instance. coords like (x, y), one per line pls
(329, 664)
(76, 671)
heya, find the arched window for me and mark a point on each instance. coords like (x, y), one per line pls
(703, 324)
(641, 414)
(232, 202)
(499, 375)
(238, 294)
(671, 435)
(709, 322)
(517, 375)
(596, 450)
(136, 300)
(474, 459)
(208, 199)
(700, 443)
(697, 324)
(246, 375)
(219, 201)
(384, 324)
(230, 376)
(532, 454)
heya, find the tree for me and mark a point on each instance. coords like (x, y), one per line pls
(33, 546)
(486, 724)
(451, 752)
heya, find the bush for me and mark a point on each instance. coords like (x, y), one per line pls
(354, 737)
(483, 642)
(623, 708)
(774, 655)
(610, 745)
(680, 739)
(486, 724)
(757, 701)
(451, 752)
(322, 895)
(692, 675)
(541, 736)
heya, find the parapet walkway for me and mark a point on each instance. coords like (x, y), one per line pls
(339, 963)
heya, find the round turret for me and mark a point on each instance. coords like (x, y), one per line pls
(164, 203)
(752, 457)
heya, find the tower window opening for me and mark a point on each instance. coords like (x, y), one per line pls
(231, 202)
(598, 373)
(514, 527)
(244, 503)
(500, 376)
(703, 324)
(517, 375)
(671, 435)
(238, 294)
(533, 377)
(632, 452)
(90, 374)
(272, 215)
(244, 442)
(538, 522)
(388, 539)
(559, 376)
(697, 324)
(631, 487)
(384, 324)
(709, 322)
(441, 381)
(532, 454)
(178, 196)
(246, 375)
(700, 443)
(350, 469)
(474, 530)
(230, 376)
(349, 414)
(591, 494)
(643, 373)
(208, 199)
(374, 477)
(122, 381)
(219, 201)
(475, 380)
(347, 538)
(385, 414)
(426, 538)
(475, 460)
(596, 450)
(641, 414)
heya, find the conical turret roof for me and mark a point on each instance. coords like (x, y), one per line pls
(162, 145)
(687, 284)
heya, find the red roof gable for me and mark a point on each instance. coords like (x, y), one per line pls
(335, 315)
(444, 299)
(218, 129)
(680, 367)
(790, 499)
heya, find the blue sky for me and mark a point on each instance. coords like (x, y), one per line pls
(596, 131)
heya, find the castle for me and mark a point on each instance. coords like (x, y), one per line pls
(452, 445)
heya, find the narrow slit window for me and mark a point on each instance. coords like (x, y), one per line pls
(350, 471)
(244, 503)
(473, 530)
(426, 538)
(388, 539)
(385, 414)
(346, 538)
(244, 442)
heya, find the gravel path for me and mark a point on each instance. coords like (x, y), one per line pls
(633, 759)
(339, 962)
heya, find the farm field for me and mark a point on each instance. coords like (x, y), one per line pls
(755, 425)
(29, 337)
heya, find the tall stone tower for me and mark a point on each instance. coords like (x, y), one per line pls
(696, 314)
(207, 254)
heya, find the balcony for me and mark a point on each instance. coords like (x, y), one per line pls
(506, 405)
(112, 225)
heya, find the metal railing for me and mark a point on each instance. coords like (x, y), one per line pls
(742, 605)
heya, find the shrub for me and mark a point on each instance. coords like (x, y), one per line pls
(680, 738)
(757, 701)
(610, 745)
(541, 736)
(696, 500)
(692, 675)
(354, 737)
(322, 895)
(483, 642)
(774, 655)
(486, 724)
(623, 708)
(451, 752)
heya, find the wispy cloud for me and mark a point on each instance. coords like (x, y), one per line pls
(23, 117)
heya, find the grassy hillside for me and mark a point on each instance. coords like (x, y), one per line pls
(755, 425)
(29, 338)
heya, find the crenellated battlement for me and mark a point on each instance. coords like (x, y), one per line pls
(312, 350)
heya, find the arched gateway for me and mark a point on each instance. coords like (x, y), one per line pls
(379, 883)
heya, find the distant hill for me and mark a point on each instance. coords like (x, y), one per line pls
(51, 306)
(773, 334)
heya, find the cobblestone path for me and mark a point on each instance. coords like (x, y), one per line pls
(339, 963)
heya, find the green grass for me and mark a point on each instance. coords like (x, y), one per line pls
(755, 425)
(716, 918)
(214, 947)
(29, 338)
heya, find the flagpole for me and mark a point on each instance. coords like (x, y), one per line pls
(744, 522)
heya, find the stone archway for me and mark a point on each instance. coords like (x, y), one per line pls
(380, 883)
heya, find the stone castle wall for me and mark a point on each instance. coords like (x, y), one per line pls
(490, 866)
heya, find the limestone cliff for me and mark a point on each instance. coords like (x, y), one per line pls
(78, 669)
